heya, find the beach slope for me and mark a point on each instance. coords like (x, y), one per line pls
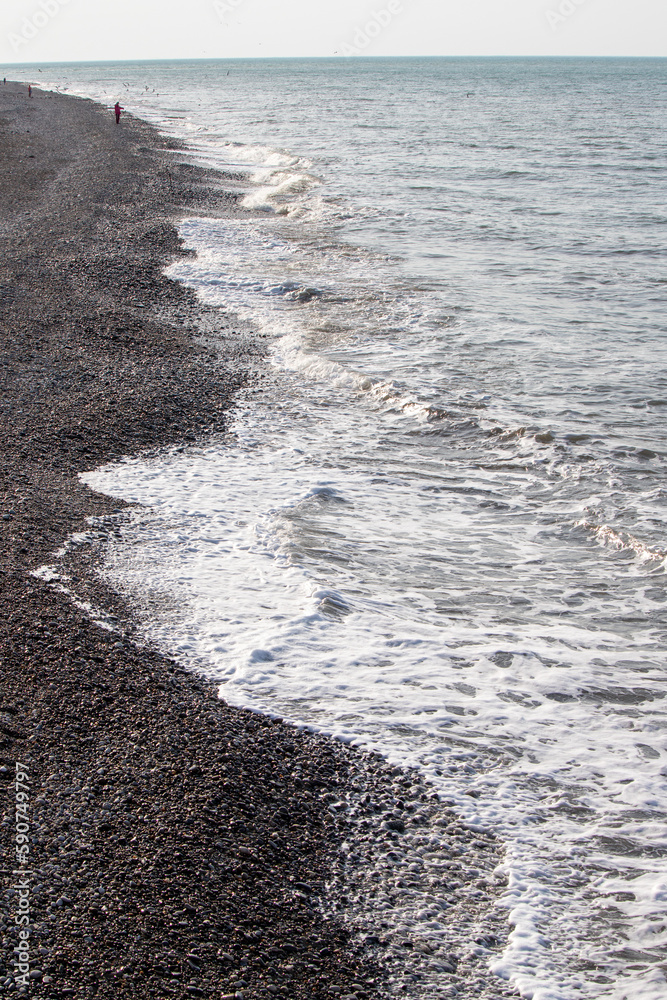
(178, 846)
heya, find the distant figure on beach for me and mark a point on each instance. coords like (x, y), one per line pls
(29, 91)
(118, 110)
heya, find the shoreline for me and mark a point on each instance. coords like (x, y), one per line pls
(174, 851)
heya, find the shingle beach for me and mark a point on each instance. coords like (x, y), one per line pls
(178, 847)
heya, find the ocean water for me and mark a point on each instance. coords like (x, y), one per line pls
(438, 527)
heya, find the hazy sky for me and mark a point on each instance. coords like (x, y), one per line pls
(64, 30)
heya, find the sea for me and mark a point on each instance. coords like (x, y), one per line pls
(436, 526)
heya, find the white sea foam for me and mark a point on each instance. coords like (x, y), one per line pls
(489, 706)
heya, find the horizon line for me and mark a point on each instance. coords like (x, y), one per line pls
(331, 58)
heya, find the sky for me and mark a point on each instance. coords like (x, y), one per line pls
(33, 31)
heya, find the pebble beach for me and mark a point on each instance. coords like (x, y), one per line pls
(179, 846)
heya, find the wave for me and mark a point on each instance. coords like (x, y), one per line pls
(623, 541)
(278, 190)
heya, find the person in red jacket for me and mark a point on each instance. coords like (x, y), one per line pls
(118, 110)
